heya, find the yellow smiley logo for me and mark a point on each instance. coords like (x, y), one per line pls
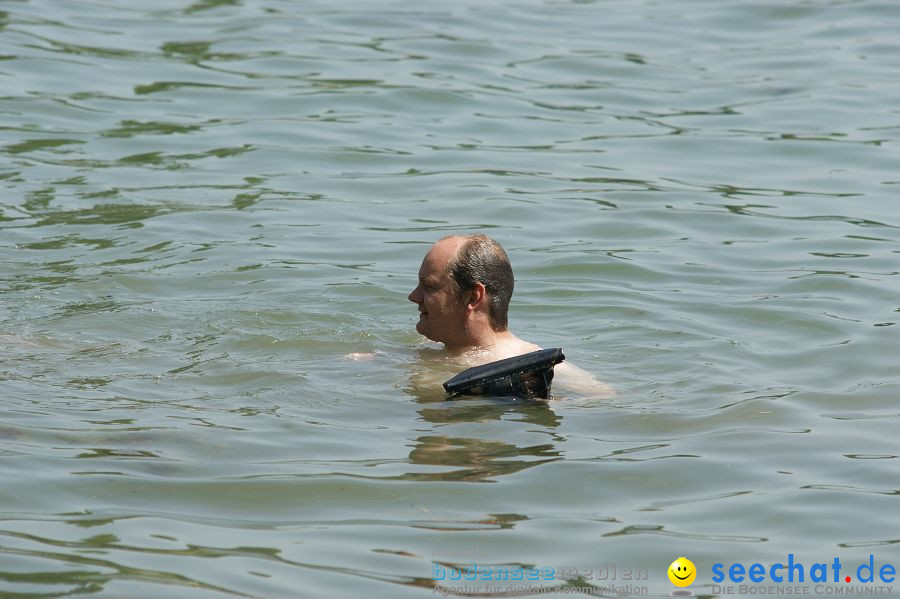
(682, 572)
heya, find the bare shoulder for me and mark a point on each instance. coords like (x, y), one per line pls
(516, 347)
(568, 377)
(507, 347)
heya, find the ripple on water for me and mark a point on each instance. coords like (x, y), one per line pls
(209, 204)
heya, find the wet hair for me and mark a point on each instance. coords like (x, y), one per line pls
(480, 259)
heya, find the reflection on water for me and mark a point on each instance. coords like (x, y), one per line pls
(479, 459)
(471, 459)
(207, 204)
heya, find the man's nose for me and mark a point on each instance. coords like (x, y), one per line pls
(415, 296)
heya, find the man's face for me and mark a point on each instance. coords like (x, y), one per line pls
(441, 313)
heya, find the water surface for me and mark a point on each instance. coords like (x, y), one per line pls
(207, 206)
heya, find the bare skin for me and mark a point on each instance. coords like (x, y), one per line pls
(462, 324)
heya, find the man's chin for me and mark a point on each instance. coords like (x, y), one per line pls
(423, 330)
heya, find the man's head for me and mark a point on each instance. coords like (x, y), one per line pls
(464, 280)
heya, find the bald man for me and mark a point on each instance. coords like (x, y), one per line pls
(465, 284)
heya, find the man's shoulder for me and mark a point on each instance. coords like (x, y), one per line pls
(574, 379)
(514, 347)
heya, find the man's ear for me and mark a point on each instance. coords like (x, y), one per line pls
(475, 297)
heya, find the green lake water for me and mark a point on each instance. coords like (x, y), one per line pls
(206, 207)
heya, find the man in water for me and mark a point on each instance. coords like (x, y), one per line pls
(465, 284)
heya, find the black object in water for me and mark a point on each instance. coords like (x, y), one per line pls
(528, 375)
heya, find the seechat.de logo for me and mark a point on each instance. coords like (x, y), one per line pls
(682, 572)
